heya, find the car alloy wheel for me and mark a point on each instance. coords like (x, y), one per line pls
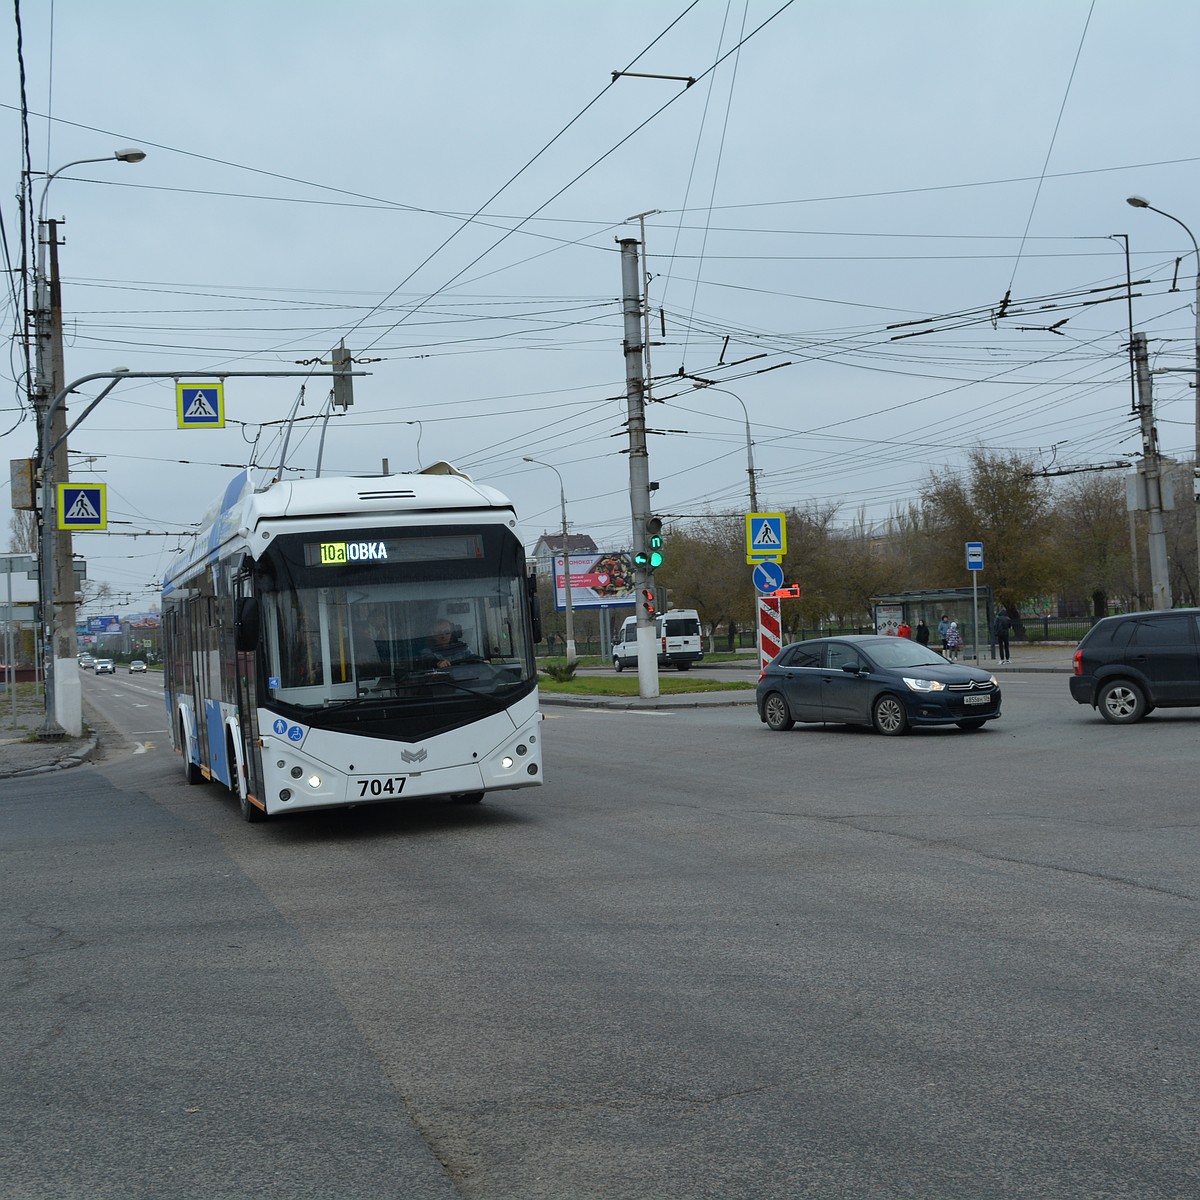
(889, 716)
(777, 713)
(1121, 702)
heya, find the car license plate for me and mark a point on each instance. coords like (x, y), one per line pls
(378, 787)
(977, 699)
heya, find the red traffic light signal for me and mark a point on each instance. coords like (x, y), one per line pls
(648, 603)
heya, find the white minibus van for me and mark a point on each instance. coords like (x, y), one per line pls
(679, 641)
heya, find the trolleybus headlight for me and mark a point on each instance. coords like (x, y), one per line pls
(314, 781)
(506, 762)
(285, 794)
(531, 769)
(522, 750)
(297, 772)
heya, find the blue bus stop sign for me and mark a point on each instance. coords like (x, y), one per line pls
(974, 556)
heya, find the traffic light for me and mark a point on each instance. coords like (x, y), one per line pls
(648, 603)
(654, 541)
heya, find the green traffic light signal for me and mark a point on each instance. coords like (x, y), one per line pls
(654, 537)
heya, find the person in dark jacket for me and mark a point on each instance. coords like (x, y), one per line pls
(922, 634)
(1000, 627)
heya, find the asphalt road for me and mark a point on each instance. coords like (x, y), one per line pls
(704, 961)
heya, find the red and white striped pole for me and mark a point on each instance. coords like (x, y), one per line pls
(769, 630)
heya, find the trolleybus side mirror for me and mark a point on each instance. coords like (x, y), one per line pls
(245, 625)
(535, 607)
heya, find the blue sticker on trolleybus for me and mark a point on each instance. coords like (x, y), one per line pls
(295, 733)
(280, 726)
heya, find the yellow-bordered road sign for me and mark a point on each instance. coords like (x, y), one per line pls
(766, 537)
(82, 505)
(200, 405)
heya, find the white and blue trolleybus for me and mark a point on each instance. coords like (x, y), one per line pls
(341, 641)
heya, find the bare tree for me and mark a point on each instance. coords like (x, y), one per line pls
(23, 531)
(1000, 501)
(1091, 540)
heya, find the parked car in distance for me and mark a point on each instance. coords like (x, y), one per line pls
(136, 665)
(105, 666)
(86, 662)
(887, 682)
(1129, 665)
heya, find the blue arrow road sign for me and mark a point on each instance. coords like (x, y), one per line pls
(768, 577)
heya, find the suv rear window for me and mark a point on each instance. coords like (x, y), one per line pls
(1108, 633)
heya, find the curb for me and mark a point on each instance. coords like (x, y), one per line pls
(76, 758)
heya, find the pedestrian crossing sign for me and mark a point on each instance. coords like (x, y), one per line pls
(82, 506)
(766, 537)
(200, 405)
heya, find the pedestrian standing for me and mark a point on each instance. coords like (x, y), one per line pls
(905, 630)
(922, 632)
(953, 642)
(943, 630)
(1001, 626)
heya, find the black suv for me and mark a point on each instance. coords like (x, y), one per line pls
(1128, 666)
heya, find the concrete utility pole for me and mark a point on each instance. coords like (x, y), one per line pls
(58, 596)
(1150, 477)
(639, 469)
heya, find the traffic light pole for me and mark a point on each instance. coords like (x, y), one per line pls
(639, 470)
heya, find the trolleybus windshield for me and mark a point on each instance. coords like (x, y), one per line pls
(421, 618)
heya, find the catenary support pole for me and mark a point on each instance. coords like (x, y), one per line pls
(639, 466)
(1149, 470)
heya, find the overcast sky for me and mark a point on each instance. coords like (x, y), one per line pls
(444, 184)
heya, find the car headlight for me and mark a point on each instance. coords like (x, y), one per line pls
(993, 681)
(924, 685)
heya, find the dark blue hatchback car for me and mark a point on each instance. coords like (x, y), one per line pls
(888, 682)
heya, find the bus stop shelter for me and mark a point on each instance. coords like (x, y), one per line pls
(970, 607)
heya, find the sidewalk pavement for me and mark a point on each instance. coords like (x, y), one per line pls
(21, 753)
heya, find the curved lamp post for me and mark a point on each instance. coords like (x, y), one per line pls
(1141, 202)
(562, 496)
(709, 387)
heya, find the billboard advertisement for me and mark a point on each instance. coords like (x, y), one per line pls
(104, 625)
(597, 580)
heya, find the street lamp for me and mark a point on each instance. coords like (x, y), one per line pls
(562, 496)
(57, 585)
(1142, 202)
(749, 444)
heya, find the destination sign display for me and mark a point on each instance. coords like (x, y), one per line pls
(448, 547)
